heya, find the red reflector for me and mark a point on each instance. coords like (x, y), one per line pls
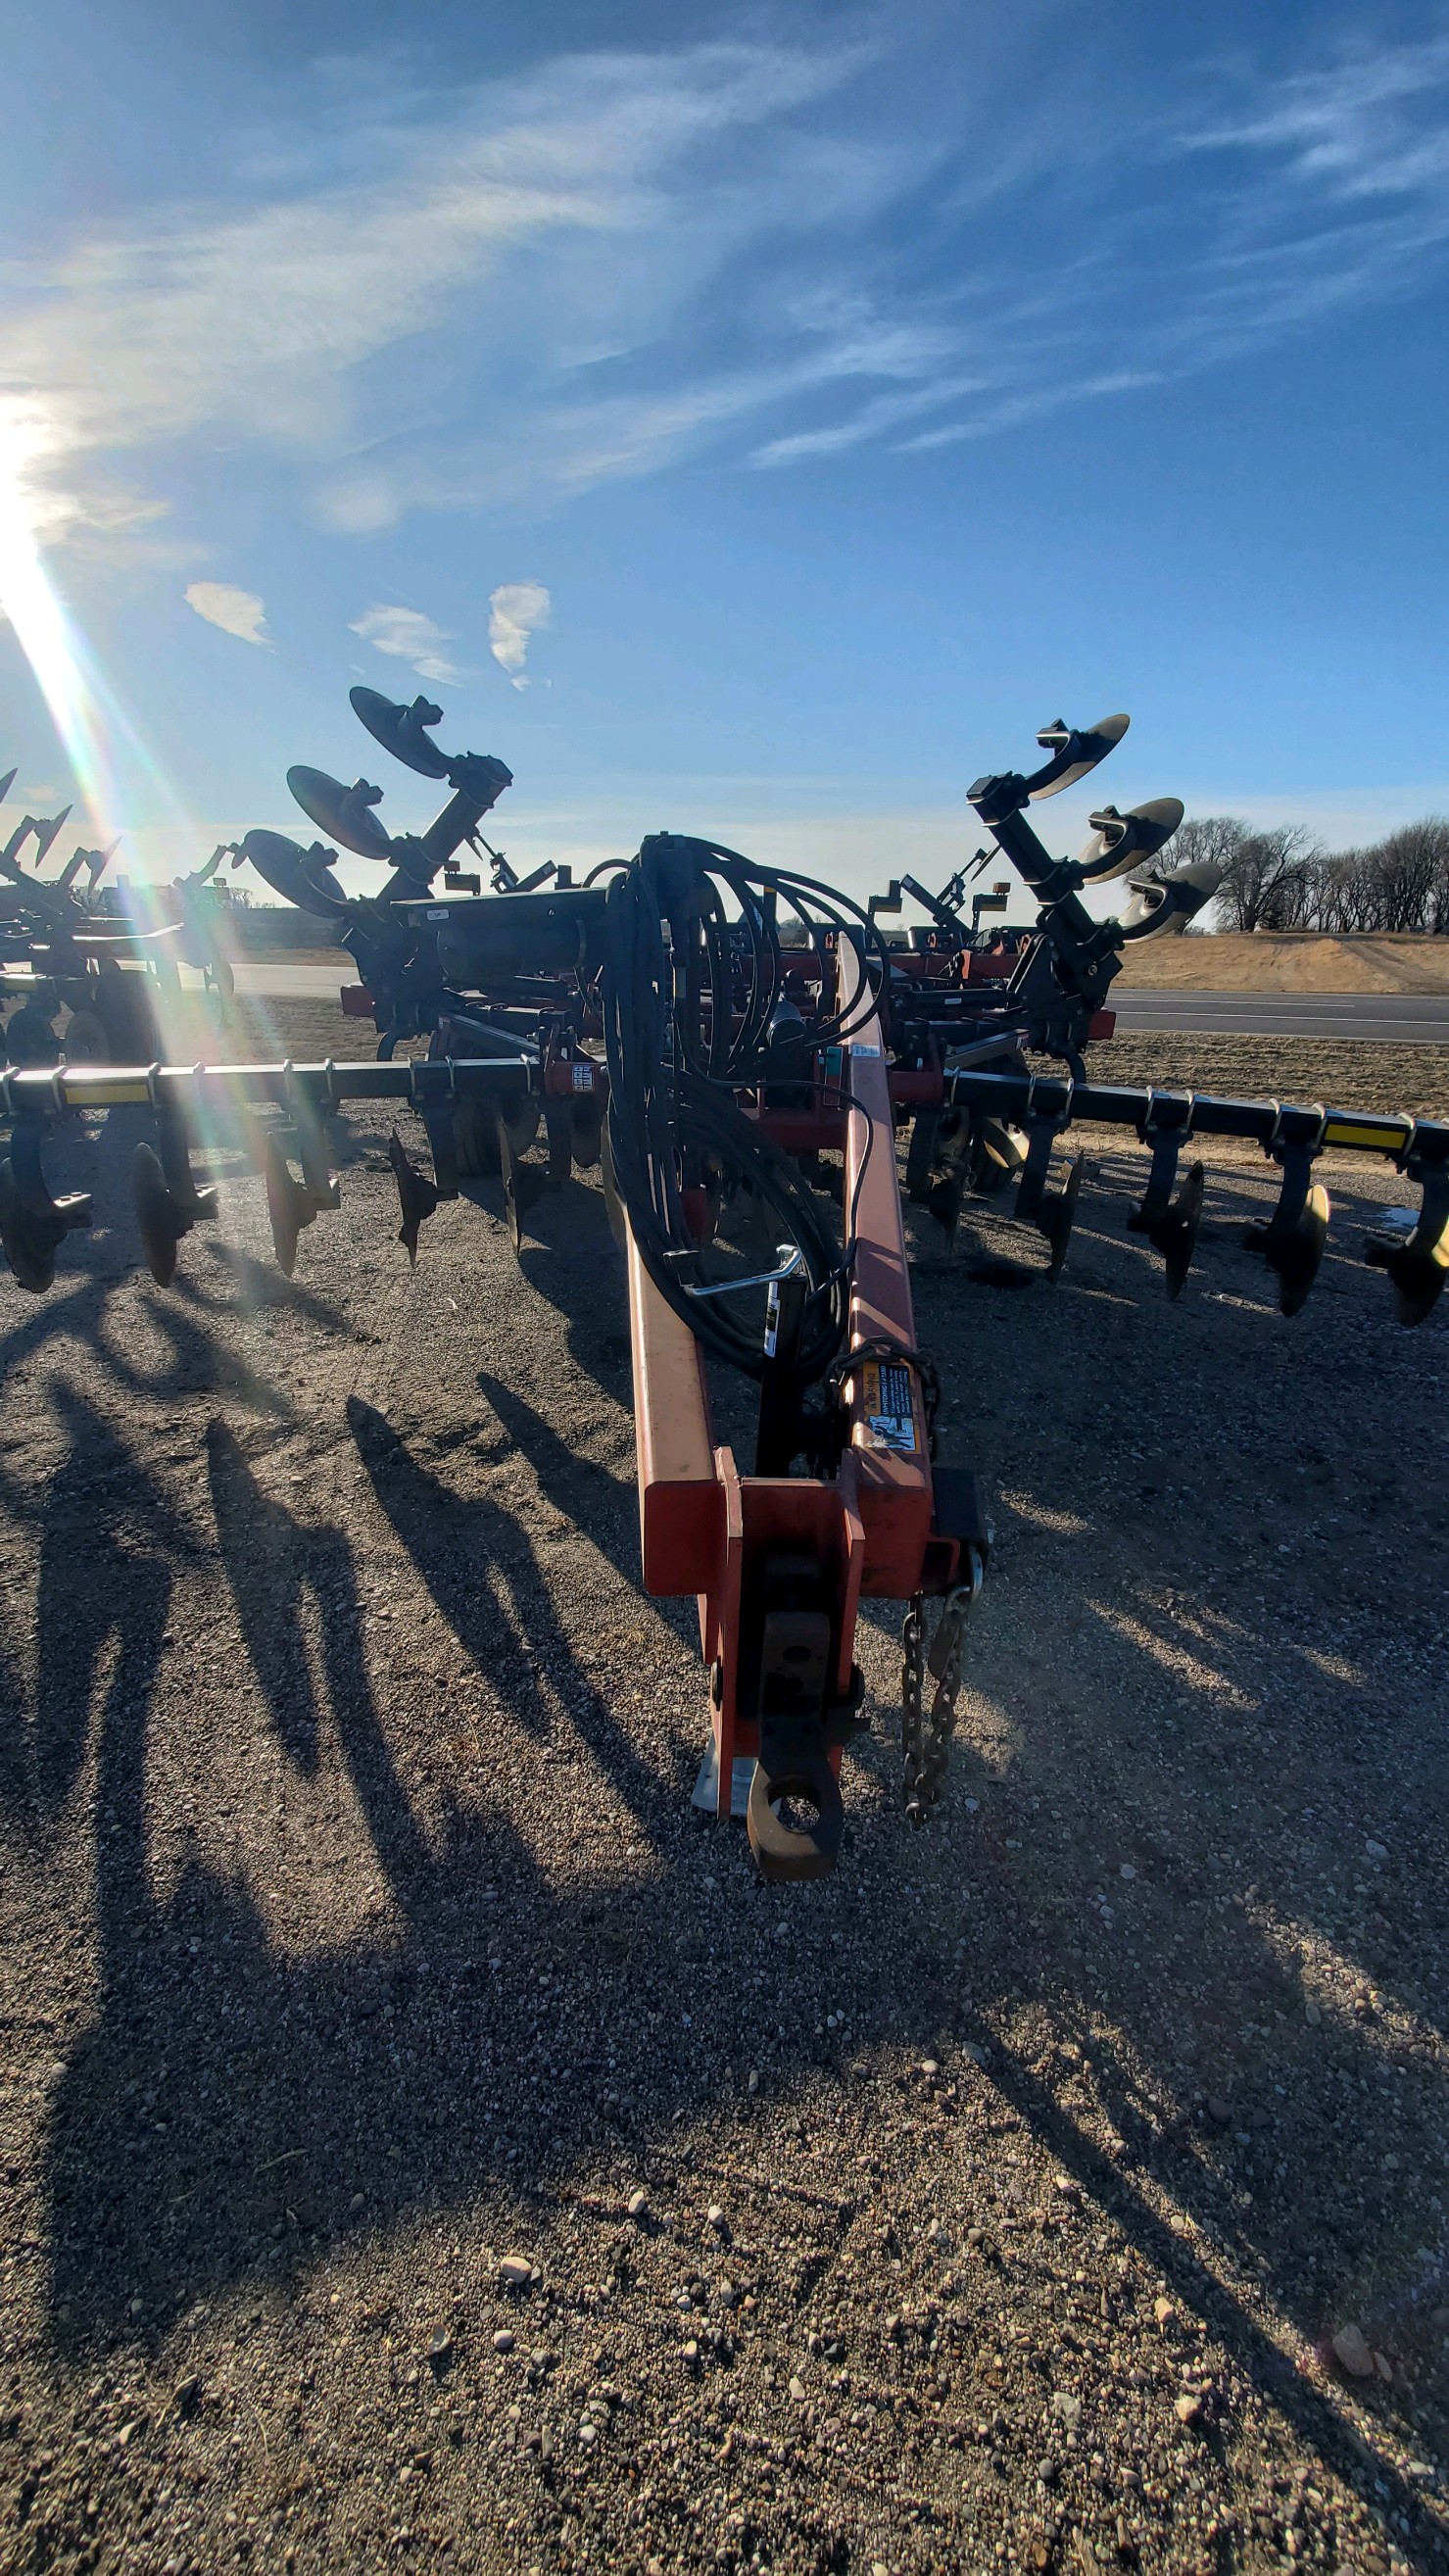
(357, 1002)
(1102, 1024)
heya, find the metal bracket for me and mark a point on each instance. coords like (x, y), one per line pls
(1052, 1212)
(417, 1196)
(1292, 1239)
(167, 1201)
(522, 1182)
(1169, 1223)
(435, 1108)
(1419, 1266)
(33, 1223)
(318, 1177)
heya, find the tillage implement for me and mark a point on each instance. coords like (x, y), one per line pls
(736, 1048)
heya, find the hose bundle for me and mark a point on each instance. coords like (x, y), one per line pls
(686, 1024)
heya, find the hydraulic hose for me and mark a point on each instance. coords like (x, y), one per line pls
(687, 1024)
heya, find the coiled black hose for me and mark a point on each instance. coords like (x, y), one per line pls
(686, 1024)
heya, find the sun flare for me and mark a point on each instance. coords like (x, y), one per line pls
(119, 784)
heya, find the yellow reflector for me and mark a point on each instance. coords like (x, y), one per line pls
(1369, 1135)
(104, 1095)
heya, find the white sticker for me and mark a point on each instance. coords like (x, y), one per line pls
(865, 1050)
(583, 1077)
(887, 1392)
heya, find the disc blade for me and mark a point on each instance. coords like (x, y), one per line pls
(401, 730)
(1111, 852)
(344, 813)
(282, 865)
(1169, 901)
(1094, 745)
(155, 1215)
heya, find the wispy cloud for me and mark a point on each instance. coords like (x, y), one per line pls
(1370, 123)
(413, 638)
(515, 292)
(516, 611)
(236, 612)
(516, 242)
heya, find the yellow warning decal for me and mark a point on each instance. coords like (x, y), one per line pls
(1369, 1135)
(888, 1405)
(102, 1095)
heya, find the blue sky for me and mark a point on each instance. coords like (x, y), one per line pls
(757, 429)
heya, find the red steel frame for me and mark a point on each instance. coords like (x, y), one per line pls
(706, 1528)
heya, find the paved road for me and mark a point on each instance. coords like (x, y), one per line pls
(283, 979)
(286, 979)
(1404, 1018)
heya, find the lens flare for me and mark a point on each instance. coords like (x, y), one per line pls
(82, 709)
(120, 784)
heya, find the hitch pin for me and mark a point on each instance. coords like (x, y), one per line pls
(791, 1256)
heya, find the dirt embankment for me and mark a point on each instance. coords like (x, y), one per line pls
(1269, 961)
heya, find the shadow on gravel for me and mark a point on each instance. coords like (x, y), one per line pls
(109, 1544)
(196, 1362)
(214, 1284)
(237, 2108)
(479, 1565)
(570, 1259)
(561, 1225)
(242, 1285)
(592, 1495)
(91, 1264)
(1151, 1814)
(272, 1563)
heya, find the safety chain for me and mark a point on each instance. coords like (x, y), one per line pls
(926, 1741)
(913, 1671)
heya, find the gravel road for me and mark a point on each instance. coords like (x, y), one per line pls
(425, 2141)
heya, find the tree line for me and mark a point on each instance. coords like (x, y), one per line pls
(1285, 880)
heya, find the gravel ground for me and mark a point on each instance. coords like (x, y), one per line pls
(424, 2139)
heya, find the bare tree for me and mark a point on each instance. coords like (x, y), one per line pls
(1410, 864)
(1266, 875)
(1342, 893)
(1440, 894)
(1283, 879)
(1214, 837)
